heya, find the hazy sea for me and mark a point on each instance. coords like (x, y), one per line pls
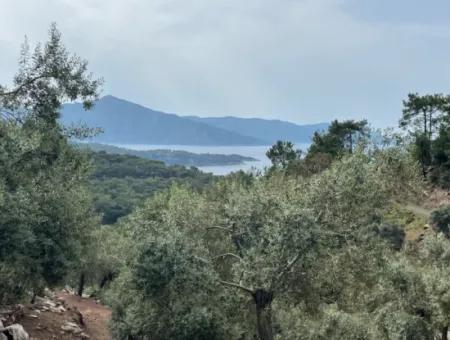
(257, 152)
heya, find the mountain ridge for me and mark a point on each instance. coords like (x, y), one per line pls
(130, 123)
(126, 122)
(269, 129)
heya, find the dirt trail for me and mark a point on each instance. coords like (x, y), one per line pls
(62, 316)
(95, 316)
(418, 210)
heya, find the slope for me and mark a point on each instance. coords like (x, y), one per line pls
(129, 123)
(270, 130)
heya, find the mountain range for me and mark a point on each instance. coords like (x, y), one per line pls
(124, 122)
(264, 129)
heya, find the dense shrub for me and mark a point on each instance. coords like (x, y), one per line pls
(440, 219)
(393, 234)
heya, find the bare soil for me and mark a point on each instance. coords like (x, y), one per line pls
(92, 318)
(95, 316)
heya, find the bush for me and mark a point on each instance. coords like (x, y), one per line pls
(393, 234)
(440, 220)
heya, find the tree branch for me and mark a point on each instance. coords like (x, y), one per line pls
(286, 269)
(227, 254)
(220, 228)
(7, 115)
(236, 285)
(201, 259)
(21, 86)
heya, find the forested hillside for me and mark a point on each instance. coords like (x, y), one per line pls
(120, 183)
(334, 243)
(173, 157)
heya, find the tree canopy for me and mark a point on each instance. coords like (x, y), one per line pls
(45, 208)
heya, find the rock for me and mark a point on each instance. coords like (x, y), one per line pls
(15, 332)
(48, 293)
(77, 317)
(84, 336)
(45, 302)
(11, 315)
(69, 290)
(60, 300)
(59, 309)
(71, 327)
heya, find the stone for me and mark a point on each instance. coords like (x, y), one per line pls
(59, 309)
(71, 327)
(16, 332)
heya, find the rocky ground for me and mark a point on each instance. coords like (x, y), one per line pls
(60, 316)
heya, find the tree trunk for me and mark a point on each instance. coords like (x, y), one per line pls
(81, 285)
(33, 298)
(351, 143)
(445, 333)
(425, 130)
(106, 278)
(424, 169)
(263, 301)
(430, 130)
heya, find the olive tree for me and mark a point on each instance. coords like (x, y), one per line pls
(432, 258)
(253, 248)
(46, 214)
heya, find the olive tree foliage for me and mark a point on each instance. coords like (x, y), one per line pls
(167, 289)
(45, 214)
(331, 324)
(356, 272)
(48, 77)
(440, 220)
(350, 200)
(260, 252)
(99, 259)
(432, 258)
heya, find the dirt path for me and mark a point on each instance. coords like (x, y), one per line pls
(95, 316)
(418, 210)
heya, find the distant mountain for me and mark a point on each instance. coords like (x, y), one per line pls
(172, 157)
(125, 122)
(268, 130)
(128, 123)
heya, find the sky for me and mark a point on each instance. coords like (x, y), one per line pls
(304, 61)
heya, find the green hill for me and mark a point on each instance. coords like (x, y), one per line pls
(174, 157)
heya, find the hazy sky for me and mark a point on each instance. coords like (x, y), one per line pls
(298, 60)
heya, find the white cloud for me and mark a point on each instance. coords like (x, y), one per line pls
(301, 60)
